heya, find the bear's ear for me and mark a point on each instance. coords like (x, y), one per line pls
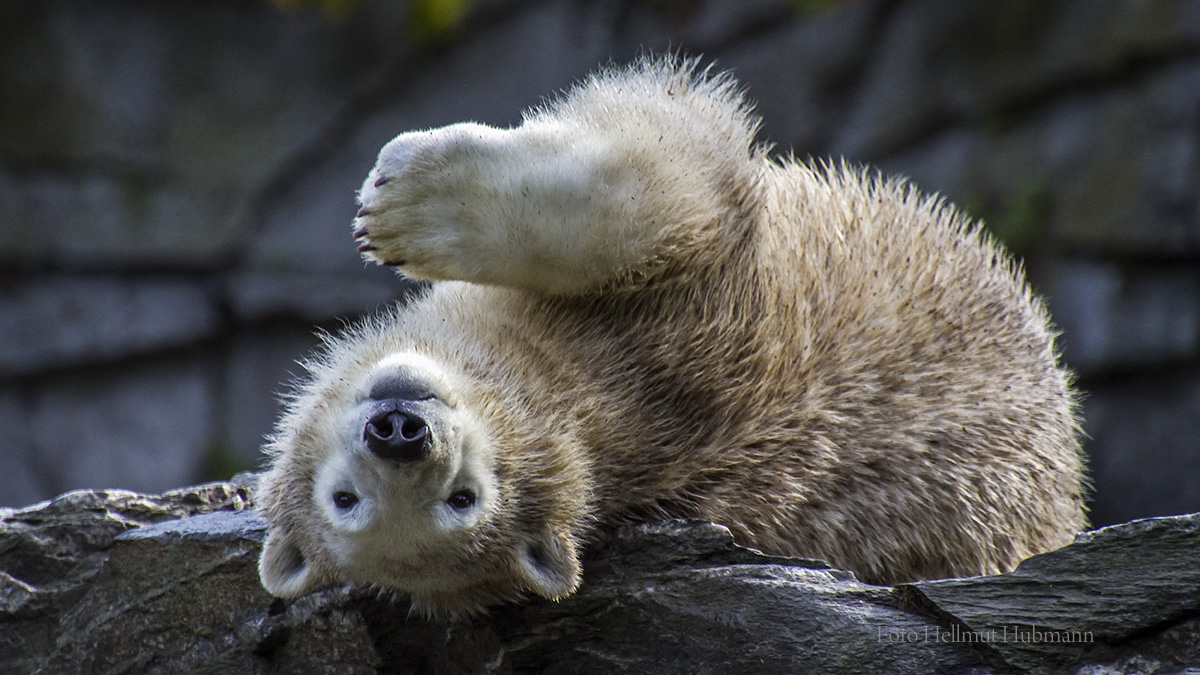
(549, 564)
(283, 569)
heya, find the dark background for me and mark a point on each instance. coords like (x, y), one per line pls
(177, 184)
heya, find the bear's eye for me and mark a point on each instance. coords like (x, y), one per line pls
(344, 500)
(463, 499)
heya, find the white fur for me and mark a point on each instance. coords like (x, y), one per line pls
(442, 380)
(534, 207)
(562, 204)
(402, 513)
(645, 316)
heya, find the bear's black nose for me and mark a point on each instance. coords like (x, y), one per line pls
(392, 434)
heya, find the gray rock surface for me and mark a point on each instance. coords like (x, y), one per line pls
(117, 582)
(1132, 582)
(52, 553)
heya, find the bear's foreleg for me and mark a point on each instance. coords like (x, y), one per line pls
(542, 207)
(600, 188)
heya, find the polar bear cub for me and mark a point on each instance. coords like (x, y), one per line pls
(636, 313)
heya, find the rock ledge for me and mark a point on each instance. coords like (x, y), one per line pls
(119, 582)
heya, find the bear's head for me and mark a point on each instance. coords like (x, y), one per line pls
(407, 480)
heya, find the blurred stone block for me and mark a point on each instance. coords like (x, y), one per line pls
(801, 79)
(149, 133)
(259, 368)
(315, 296)
(1143, 447)
(1114, 319)
(144, 426)
(59, 321)
(114, 219)
(940, 63)
(19, 482)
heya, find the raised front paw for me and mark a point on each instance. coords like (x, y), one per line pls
(547, 207)
(420, 206)
(362, 231)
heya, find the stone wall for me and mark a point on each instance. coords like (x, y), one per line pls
(177, 181)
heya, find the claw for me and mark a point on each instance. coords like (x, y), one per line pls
(363, 248)
(381, 180)
(362, 212)
(360, 233)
